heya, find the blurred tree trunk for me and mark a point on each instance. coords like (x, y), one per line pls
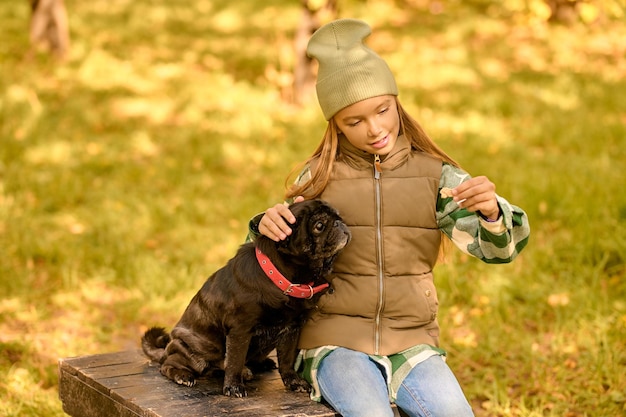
(49, 26)
(562, 11)
(314, 14)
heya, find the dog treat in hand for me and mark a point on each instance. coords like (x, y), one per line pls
(445, 192)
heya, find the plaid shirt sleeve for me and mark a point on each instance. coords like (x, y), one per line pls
(492, 242)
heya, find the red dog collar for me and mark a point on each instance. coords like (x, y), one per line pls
(292, 290)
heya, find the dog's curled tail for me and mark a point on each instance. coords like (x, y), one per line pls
(154, 342)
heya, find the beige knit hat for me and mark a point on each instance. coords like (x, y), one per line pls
(348, 70)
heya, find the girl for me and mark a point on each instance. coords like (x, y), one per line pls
(373, 337)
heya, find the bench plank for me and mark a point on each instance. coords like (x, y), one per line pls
(126, 384)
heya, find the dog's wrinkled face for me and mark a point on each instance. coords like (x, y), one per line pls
(319, 232)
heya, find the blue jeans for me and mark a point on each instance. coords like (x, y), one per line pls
(355, 386)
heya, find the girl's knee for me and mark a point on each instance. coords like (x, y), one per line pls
(364, 408)
(353, 385)
(457, 409)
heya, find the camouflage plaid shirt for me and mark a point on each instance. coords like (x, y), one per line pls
(491, 242)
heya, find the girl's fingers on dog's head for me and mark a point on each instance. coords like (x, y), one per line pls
(283, 226)
(269, 229)
(274, 225)
(282, 214)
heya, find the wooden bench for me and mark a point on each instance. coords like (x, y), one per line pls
(126, 384)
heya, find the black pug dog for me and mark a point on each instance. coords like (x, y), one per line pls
(256, 303)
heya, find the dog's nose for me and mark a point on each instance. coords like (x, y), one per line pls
(340, 224)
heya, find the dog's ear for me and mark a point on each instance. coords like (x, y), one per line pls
(297, 243)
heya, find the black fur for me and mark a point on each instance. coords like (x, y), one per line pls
(239, 316)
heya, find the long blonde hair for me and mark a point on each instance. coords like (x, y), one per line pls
(328, 151)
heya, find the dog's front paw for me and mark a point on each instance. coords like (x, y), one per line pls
(297, 384)
(235, 390)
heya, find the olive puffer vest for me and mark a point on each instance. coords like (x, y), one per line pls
(382, 298)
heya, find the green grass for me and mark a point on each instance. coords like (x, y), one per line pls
(128, 174)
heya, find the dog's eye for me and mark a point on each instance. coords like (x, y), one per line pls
(319, 227)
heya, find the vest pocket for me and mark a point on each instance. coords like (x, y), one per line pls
(411, 300)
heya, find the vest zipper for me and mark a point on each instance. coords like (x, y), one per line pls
(379, 253)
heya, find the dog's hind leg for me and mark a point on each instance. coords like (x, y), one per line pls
(187, 356)
(182, 376)
(178, 366)
(181, 365)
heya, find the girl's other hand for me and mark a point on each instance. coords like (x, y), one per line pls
(478, 194)
(276, 220)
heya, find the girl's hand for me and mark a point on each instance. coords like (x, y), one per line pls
(478, 194)
(275, 222)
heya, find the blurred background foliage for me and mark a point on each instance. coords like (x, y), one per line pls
(130, 167)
